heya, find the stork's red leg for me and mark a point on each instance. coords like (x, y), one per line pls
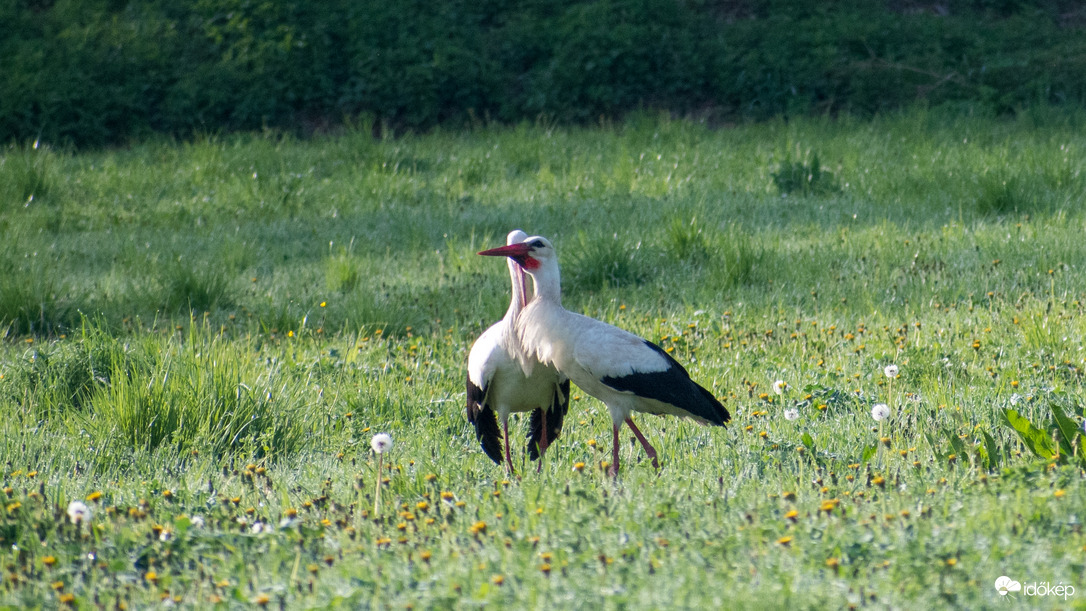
(508, 457)
(614, 452)
(651, 451)
(543, 442)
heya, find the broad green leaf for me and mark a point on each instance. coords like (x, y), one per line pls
(1035, 439)
(941, 456)
(1067, 427)
(956, 445)
(869, 453)
(995, 456)
(807, 440)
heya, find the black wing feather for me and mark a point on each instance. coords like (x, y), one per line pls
(485, 421)
(674, 387)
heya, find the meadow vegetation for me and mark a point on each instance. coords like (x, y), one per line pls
(200, 339)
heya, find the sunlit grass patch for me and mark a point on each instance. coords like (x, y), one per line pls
(219, 432)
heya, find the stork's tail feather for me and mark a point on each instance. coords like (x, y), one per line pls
(489, 434)
(722, 414)
(555, 417)
(485, 422)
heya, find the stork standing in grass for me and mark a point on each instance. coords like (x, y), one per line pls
(624, 371)
(501, 381)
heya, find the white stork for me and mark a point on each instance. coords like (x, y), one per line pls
(619, 368)
(498, 385)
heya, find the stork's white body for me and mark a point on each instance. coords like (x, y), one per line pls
(589, 351)
(498, 384)
(624, 371)
(492, 367)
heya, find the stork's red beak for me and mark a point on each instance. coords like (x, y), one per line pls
(516, 252)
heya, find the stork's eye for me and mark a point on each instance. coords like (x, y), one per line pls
(537, 244)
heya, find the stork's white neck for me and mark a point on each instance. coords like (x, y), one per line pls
(548, 282)
(520, 298)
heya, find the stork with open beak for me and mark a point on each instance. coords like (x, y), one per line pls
(625, 372)
(501, 380)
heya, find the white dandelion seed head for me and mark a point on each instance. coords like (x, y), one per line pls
(890, 371)
(880, 411)
(257, 528)
(381, 443)
(1016, 399)
(164, 535)
(791, 414)
(197, 521)
(78, 512)
(779, 386)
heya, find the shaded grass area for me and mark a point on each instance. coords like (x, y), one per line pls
(201, 338)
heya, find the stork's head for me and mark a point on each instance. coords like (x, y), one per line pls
(531, 253)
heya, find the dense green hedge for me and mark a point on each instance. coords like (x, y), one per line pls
(94, 72)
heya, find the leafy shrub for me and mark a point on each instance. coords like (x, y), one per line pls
(804, 177)
(32, 301)
(25, 175)
(604, 263)
(204, 394)
(738, 260)
(101, 72)
(685, 241)
(1002, 194)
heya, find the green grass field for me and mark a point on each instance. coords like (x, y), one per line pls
(201, 339)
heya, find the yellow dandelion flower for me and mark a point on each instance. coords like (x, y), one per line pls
(784, 541)
(792, 515)
(49, 560)
(94, 496)
(497, 580)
